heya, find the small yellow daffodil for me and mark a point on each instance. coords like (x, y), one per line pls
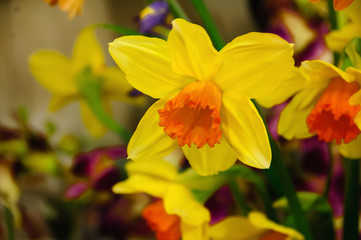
(204, 105)
(255, 227)
(159, 179)
(326, 103)
(336, 40)
(60, 75)
(9, 190)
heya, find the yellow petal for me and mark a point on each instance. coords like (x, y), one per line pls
(352, 149)
(259, 220)
(318, 70)
(88, 52)
(146, 63)
(244, 130)
(292, 123)
(300, 30)
(90, 121)
(149, 141)
(53, 71)
(210, 160)
(180, 201)
(294, 81)
(57, 102)
(142, 184)
(355, 98)
(337, 40)
(254, 64)
(235, 228)
(158, 169)
(116, 87)
(191, 232)
(191, 50)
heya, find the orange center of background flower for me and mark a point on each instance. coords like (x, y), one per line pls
(193, 116)
(166, 227)
(332, 117)
(273, 235)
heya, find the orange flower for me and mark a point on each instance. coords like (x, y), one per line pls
(273, 235)
(73, 7)
(326, 103)
(338, 4)
(166, 226)
(198, 104)
(332, 116)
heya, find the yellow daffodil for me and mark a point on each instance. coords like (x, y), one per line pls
(159, 179)
(60, 74)
(255, 227)
(336, 40)
(204, 105)
(9, 190)
(338, 4)
(73, 7)
(326, 103)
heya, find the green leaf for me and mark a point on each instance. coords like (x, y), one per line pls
(318, 212)
(9, 222)
(118, 29)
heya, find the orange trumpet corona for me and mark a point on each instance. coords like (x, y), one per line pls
(166, 227)
(332, 117)
(193, 116)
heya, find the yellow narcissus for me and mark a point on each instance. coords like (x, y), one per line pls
(326, 103)
(59, 75)
(255, 227)
(205, 95)
(337, 39)
(159, 179)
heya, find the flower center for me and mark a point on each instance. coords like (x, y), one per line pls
(193, 116)
(166, 227)
(273, 235)
(332, 117)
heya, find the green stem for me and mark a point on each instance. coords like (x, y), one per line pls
(284, 180)
(289, 190)
(209, 23)
(98, 110)
(333, 25)
(329, 174)
(118, 29)
(270, 211)
(9, 222)
(177, 10)
(90, 87)
(351, 207)
(239, 198)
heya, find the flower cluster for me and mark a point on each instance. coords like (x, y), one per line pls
(284, 100)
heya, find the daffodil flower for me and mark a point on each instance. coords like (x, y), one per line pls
(338, 4)
(73, 7)
(255, 227)
(326, 103)
(204, 105)
(336, 40)
(60, 75)
(159, 179)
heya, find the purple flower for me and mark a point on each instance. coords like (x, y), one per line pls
(154, 14)
(98, 170)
